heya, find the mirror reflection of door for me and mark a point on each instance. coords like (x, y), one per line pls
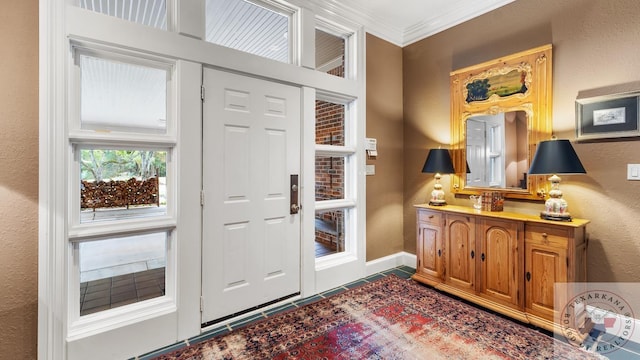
(485, 151)
(497, 150)
(476, 153)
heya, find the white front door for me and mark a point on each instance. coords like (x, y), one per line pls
(251, 146)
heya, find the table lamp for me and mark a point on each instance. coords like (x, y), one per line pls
(555, 157)
(438, 162)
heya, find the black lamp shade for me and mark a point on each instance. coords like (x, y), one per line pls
(438, 161)
(556, 157)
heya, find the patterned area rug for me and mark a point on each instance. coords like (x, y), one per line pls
(390, 318)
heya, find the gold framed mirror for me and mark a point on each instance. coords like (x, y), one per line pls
(500, 110)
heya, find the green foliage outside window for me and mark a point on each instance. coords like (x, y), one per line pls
(102, 165)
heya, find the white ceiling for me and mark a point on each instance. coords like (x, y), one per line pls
(403, 22)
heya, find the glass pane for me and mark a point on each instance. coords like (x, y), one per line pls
(329, 53)
(146, 12)
(247, 27)
(121, 96)
(120, 184)
(329, 123)
(120, 271)
(329, 232)
(329, 178)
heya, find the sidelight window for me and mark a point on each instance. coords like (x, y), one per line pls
(120, 271)
(330, 53)
(122, 96)
(122, 141)
(122, 183)
(334, 167)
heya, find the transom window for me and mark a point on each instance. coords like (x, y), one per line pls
(261, 29)
(330, 53)
(146, 12)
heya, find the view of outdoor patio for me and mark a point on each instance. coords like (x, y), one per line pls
(115, 185)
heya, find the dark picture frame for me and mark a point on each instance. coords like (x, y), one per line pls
(608, 117)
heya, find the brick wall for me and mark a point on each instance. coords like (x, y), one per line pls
(330, 170)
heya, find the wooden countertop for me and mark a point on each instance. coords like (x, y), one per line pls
(467, 210)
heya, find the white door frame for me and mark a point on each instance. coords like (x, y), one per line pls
(61, 22)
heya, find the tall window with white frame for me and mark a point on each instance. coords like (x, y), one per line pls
(121, 220)
(333, 166)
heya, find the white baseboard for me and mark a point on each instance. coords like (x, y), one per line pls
(390, 262)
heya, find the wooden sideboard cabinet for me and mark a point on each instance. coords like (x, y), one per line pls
(506, 262)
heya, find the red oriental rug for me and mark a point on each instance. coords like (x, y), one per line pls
(390, 318)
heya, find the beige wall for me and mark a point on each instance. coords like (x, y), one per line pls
(384, 122)
(18, 179)
(594, 46)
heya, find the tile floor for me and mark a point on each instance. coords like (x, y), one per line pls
(111, 292)
(323, 249)
(126, 284)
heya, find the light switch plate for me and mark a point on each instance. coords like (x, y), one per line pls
(633, 171)
(371, 169)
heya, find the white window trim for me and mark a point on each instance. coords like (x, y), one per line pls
(80, 327)
(348, 35)
(60, 23)
(79, 135)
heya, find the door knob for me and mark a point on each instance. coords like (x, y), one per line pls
(294, 207)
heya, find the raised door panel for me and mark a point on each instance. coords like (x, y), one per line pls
(501, 263)
(429, 250)
(461, 252)
(429, 246)
(545, 267)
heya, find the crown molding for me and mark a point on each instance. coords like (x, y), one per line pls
(373, 24)
(451, 18)
(378, 25)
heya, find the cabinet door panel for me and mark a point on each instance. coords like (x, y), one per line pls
(428, 250)
(429, 246)
(460, 256)
(500, 263)
(544, 268)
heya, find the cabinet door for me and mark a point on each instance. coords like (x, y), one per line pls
(501, 261)
(429, 245)
(546, 264)
(460, 263)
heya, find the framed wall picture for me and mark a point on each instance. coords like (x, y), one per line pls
(608, 117)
